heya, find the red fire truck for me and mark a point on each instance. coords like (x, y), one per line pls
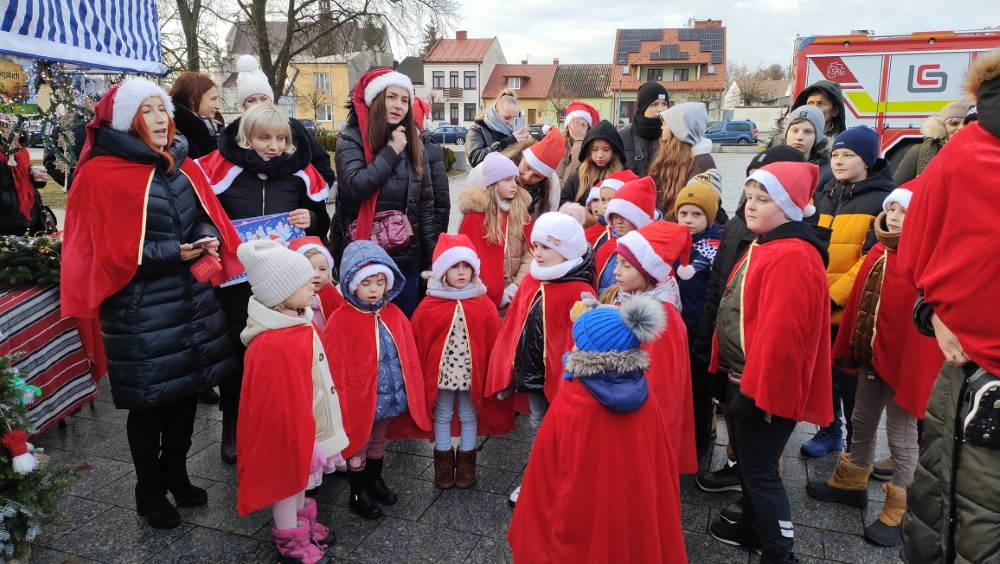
(892, 83)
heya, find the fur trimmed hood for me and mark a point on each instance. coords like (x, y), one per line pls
(933, 128)
(474, 200)
(617, 380)
(986, 67)
(584, 364)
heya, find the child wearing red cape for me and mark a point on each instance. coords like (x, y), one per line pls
(632, 207)
(497, 222)
(573, 510)
(288, 404)
(375, 364)
(597, 203)
(455, 327)
(327, 298)
(527, 357)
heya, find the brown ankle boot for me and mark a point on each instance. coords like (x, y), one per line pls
(444, 468)
(847, 485)
(465, 472)
(887, 529)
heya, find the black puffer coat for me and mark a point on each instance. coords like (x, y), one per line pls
(399, 189)
(200, 139)
(164, 332)
(278, 191)
(439, 179)
(482, 140)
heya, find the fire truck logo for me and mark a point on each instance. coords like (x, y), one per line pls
(835, 70)
(926, 79)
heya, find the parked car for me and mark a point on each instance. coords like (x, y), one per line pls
(449, 134)
(739, 132)
(309, 124)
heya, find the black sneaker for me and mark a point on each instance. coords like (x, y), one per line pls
(733, 513)
(736, 535)
(725, 479)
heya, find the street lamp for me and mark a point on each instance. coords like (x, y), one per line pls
(621, 77)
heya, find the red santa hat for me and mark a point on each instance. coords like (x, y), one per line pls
(303, 245)
(421, 112)
(899, 196)
(635, 201)
(654, 248)
(586, 112)
(618, 179)
(791, 185)
(118, 108)
(365, 91)
(545, 155)
(451, 250)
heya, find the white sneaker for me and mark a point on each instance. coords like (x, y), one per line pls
(513, 496)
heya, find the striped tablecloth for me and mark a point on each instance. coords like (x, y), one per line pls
(53, 360)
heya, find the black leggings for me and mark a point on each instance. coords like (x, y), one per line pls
(160, 438)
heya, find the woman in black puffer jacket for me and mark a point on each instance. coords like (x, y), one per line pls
(379, 155)
(272, 180)
(164, 332)
(196, 112)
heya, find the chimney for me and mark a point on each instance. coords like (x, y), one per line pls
(555, 61)
(524, 61)
(461, 35)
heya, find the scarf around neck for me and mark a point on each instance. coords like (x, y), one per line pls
(665, 292)
(493, 121)
(554, 272)
(647, 128)
(472, 290)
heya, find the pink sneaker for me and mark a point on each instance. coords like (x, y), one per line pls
(321, 535)
(295, 546)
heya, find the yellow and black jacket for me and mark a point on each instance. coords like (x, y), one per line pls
(850, 209)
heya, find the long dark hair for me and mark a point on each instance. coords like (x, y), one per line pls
(378, 135)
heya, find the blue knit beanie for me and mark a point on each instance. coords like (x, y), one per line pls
(860, 139)
(602, 330)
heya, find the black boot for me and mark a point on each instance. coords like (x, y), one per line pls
(175, 444)
(376, 484)
(361, 499)
(208, 396)
(228, 448)
(151, 502)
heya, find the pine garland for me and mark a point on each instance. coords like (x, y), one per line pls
(27, 501)
(29, 260)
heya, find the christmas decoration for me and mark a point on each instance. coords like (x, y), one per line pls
(29, 260)
(29, 488)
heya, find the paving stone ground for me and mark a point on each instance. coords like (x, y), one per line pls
(99, 524)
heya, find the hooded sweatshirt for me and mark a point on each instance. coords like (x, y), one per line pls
(605, 131)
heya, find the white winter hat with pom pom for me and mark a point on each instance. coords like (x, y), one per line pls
(251, 80)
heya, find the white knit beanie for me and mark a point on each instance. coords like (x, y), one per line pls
(250, 80)
(900, 196)
(560, 233)
(275, 273)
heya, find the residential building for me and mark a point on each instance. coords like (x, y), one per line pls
(413, 67)
(455, 73)
(689, 61)
(590, 84)
(757, 92)
(530, 83)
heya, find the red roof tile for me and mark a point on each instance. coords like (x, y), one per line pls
(459, 50)
(535, 80)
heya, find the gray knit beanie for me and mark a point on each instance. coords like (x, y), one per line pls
(687, 121)
(812, 114)
(275, 273)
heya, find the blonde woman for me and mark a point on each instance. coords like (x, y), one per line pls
(493, 129)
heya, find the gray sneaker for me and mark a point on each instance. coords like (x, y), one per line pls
(725, 479)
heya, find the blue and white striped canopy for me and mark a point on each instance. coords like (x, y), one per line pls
(110, 34)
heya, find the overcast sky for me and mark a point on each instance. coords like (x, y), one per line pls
(583, 31)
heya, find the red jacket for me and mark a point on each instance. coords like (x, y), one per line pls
(669, 378)
(786, 331)
(491, 255)
(351, 342)
(906, 360)
(576, 508)
(949, 243)
(431, 325)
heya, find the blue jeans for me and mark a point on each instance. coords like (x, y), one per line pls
(409, 298)
(444, 411)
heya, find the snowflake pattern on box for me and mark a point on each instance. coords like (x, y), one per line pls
(274, 227)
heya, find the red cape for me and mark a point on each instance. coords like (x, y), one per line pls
(105, 229)
(491, 255)
(786, 327)
(330, 300)
(431, 325)
(276, 430)
(949, 242)
(573, 508)
(557, 300)
(669, 378)
(221, 174)
(603, 255)
(597, 235)
(351, 344)
(906, 360)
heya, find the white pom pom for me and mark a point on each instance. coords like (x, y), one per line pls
(644, 316)
(809, 210)
(247, 63)
(685, 272)
(24, 463)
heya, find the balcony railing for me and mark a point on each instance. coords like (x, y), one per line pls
(451, 92)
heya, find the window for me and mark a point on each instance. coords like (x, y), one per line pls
(470, 112)
(710, 69)
(714, 128)
(680, 75)
(454, 113)
(437, 111)
(626, 110)
(514, 83)
(324, 112)
(453, 79)
(470, 80)
(321, 82)
(437, 78)
(654, 74)
(739, 126)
